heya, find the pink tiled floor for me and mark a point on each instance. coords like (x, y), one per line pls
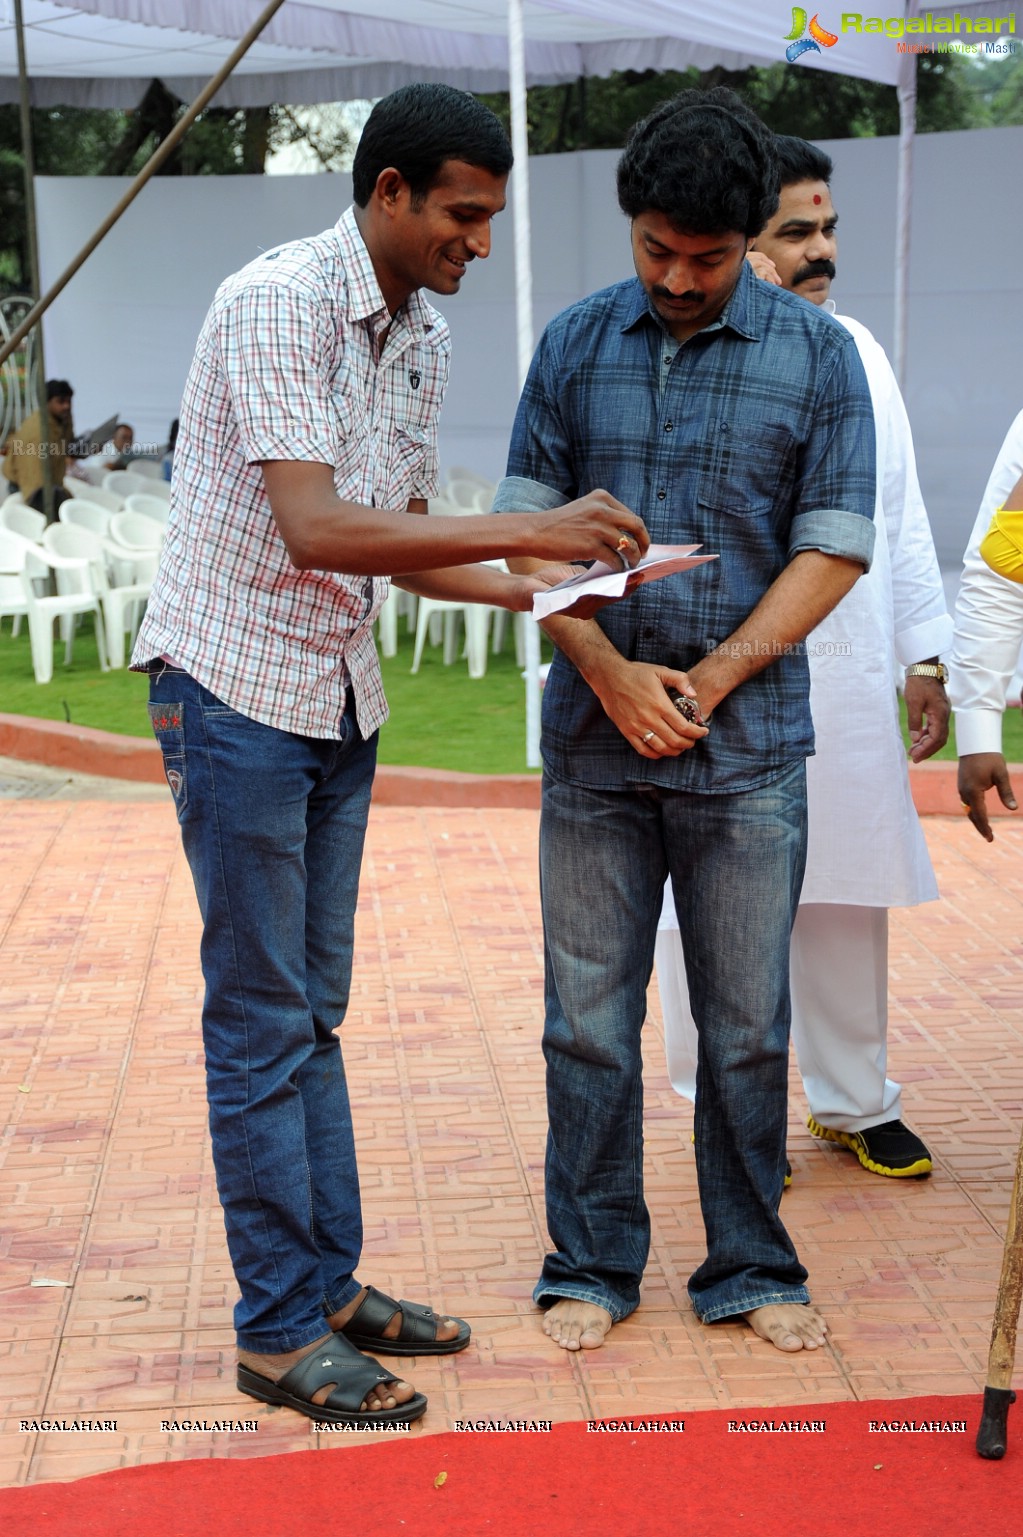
(116, 1290)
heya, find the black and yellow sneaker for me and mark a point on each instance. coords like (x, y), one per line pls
(890, 1148)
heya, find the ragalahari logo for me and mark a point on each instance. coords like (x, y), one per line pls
(798, 44)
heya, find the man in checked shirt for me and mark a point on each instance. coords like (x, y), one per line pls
(308, 434)
(735, 416)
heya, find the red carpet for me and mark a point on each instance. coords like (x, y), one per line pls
(707, 1481)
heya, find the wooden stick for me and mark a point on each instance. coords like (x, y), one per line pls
(998, 1395)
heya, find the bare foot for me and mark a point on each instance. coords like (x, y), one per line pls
(577, 1325)
(447, 1328)
(789, 1325)
(387, 1396)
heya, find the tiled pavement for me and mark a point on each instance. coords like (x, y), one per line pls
(115, 1291)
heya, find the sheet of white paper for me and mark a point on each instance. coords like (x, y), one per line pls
(603, 582)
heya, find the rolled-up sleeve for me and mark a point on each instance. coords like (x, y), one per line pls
(834, 532)
(516, 493)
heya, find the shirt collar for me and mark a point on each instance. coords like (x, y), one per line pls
(739, 314)
(364, 297)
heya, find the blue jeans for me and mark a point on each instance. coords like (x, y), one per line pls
(736, 864)
(273, 826)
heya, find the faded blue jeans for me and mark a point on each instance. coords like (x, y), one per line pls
(736, 864)
(273, 826)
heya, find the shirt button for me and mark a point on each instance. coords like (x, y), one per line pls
(649, 632)
(669, 426)
(661, 495)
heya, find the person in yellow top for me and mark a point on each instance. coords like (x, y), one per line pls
(1002, 546)
(27, 446)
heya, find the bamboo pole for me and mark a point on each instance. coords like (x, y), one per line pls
(152, 165)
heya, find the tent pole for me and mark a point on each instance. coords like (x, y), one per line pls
(906, 89)
(38, 384)
(152, 165)
(523, 315)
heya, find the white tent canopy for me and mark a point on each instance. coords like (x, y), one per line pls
(103, 53)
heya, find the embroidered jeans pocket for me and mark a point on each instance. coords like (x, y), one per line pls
(168, 723)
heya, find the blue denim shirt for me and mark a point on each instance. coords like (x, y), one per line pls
(755, 439)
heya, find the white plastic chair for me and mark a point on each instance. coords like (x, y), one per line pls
(22, 519)
(153, 486)
(139, 539)
(122, 603)
(83, 514)
(74, 573)
(149, 469)
(86, 474)
(155, 507)
(125, 483)
(12, 592)
(459, 472)
(398, 603)
(446, 508)
(468, 496)
(84, 491)
(475, 616)
(80, 513)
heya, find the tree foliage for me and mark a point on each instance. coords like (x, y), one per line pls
(75, 141)
(597, 114)
(953, 92)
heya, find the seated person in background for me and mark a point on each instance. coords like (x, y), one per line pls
(31, 445)
(114, 455)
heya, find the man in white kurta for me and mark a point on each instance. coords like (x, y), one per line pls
(866, 850)
(986, 650)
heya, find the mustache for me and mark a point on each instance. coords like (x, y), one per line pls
(691, 295)
(819, 269)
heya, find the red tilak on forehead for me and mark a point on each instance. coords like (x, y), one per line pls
(816, 197)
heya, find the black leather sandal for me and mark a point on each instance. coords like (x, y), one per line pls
(355, 1377)
(416, 1337)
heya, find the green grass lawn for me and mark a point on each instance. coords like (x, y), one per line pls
(441, 718)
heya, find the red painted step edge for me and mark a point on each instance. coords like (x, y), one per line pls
(81, 750)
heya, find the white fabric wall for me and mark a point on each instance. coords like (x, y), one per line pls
(123, 331)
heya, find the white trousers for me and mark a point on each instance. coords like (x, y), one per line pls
(838, 969)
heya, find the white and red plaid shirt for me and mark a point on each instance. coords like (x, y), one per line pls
(289, 366)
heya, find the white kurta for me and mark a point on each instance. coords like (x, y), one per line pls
(989, 620)
(866, 847)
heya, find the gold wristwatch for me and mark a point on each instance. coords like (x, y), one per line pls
(936, 670)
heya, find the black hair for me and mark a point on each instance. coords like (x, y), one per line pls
(417, 128)
(705, 161)
(799, 160)
(58, 389)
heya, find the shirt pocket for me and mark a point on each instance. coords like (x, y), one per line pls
(743, 469)
(407, 463)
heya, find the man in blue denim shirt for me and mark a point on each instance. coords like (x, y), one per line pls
(731, 414)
